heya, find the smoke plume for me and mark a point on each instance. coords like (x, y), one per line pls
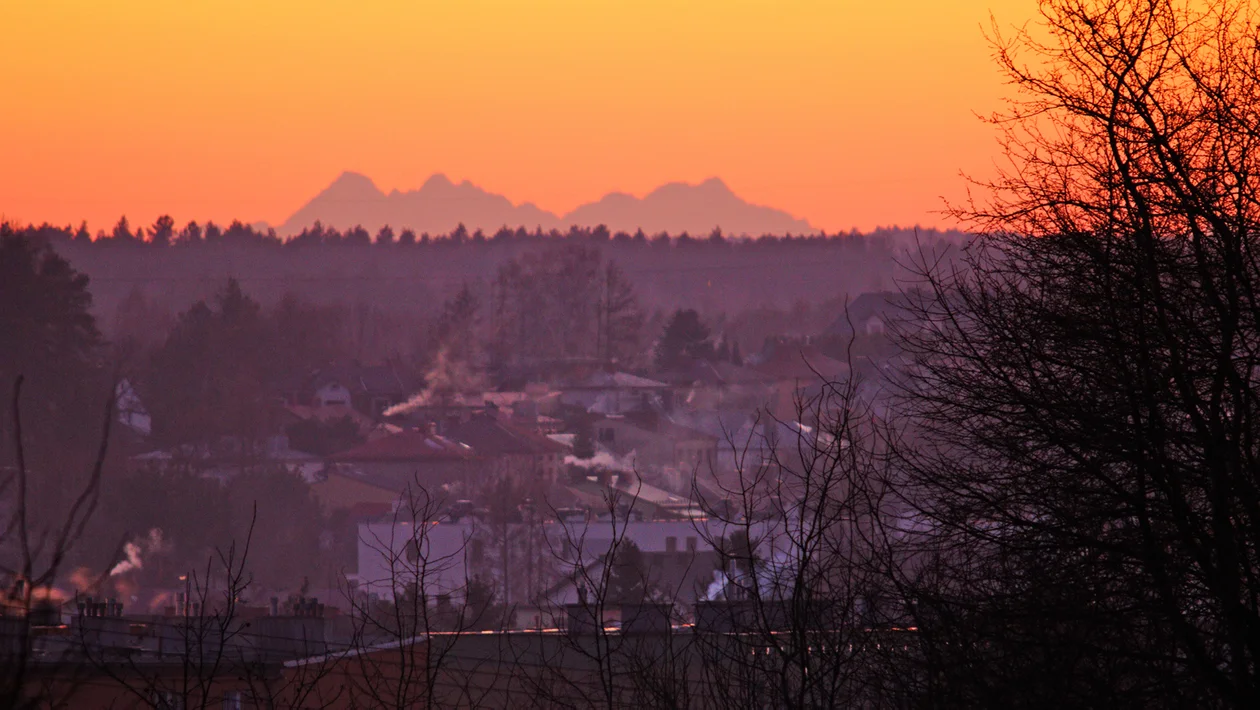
(135, 551)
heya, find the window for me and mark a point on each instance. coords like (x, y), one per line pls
(671, 545)
(232, 700)
(478, 551)
(606, 435)
(692, 544)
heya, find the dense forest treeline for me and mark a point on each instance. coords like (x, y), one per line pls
(395, 272)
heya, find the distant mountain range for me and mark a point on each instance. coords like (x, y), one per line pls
(439, 205)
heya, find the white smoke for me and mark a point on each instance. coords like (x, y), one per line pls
(717, 588)
(445, 381)
(135, 551)
(605, 461)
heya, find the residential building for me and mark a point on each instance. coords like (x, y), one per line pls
(615, 393)
(369, 389)
(656, 440)
(393, 463)
(510, 451)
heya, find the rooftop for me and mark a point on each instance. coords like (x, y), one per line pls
(409, 445)
(489, 437)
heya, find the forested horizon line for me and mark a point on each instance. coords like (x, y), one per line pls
(165, 232)
(784, 284)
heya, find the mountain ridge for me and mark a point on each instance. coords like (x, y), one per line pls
(440, 204)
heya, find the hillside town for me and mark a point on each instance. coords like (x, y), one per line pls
(735, 365)
(548, 467)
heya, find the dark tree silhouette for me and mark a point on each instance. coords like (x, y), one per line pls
(206, 381)
(620, 318)
(122, 232)
(385, 236)
(1084, 390)
(686, 338)
(162, 231)
(627, 580)
(33, 554)
(49, 336)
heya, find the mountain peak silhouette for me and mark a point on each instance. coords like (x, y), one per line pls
(439, 204)
(715, 183)
(350, 181)
(437, 181)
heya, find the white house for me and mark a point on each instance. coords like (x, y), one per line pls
(541, 560)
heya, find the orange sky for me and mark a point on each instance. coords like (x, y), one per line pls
(845, 113)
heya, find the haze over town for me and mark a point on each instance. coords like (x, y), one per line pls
(630, 355)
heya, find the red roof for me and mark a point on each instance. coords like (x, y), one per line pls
(410, 445)
(489, 437)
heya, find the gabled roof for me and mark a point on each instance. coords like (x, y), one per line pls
(409, 445)
(332, 412)
(362, 379)
(371, 380)
(879, 304)
(490, 437)
(664, 426)
(615, 380)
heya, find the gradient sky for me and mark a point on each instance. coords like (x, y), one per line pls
(842, 112)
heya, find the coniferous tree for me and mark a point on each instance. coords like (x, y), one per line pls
(50, 339)
(686, 338)
(385, 236)
(162, 231)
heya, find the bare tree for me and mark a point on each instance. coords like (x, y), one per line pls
(209, 654)
(597, 660)
(810, 554)
(619, 318)
(809, 606)
(1083, 389)
(405, 643)
(33, 569)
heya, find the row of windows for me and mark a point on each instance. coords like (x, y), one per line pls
(671, 544)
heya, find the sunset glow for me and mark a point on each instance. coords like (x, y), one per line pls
(843, 113)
